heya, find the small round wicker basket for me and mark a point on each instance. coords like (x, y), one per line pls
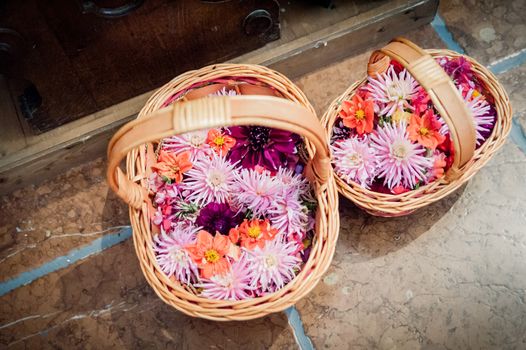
(269, 99)
(467, 160)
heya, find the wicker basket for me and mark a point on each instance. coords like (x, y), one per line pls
(448, 102)
(192, 111)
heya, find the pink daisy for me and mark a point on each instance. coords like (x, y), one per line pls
(171, 254)
(393, 91)
(400, 162)
(256, 191)
(209, 180)
(194, 142)
(289, 216)
(234, 285)
(480, 111)
(274, 265)
(354, 160)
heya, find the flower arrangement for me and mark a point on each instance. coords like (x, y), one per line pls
(389, 138)
(233, 211)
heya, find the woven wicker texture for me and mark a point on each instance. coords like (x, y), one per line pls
(136, 141)
(381, 204)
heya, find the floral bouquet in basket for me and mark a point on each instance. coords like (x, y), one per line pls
(389, 137)
(234, 213)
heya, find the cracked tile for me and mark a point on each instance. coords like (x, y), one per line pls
(487, 29)
(326, 84)
(40, 223)
(449, 276)
(104, 302)
(513, 81)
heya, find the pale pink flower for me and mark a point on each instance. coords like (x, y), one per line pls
(393, 91)
(480, 111)
(355, 160)
(171, 255)
(193, 142)
(289, 216)
(274, 265)
(225, 92)
(233, 285)
(294, 185)
(400, 162)
(256, 191)
(210, 180)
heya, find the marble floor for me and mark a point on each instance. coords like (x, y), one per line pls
(451, 276)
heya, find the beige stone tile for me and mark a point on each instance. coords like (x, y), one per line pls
(39, 223)
(487, 30)
(450, 276)
(513, 81)
(104, 302)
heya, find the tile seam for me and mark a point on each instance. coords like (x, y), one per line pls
(298, 330)
(499, 66)
(95, 247)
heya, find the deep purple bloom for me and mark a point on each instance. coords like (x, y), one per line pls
(215, 217)
(266, 147)
(459, 69)
(340, 131)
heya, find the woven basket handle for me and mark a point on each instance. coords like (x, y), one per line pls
(447, 100)
(212, 112)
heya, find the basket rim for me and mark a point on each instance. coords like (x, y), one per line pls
(378, 203)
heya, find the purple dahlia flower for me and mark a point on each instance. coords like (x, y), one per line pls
(218, 217)
(266, 147)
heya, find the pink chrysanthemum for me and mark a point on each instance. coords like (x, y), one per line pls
(256, 191)
(274, 265)
(480, 111)
(400, 162)
(393, 91)
(234, 285)
(289, 216)
(209, 180)
(294, 185)
(354, 160)
(171, 254)
(193, 142)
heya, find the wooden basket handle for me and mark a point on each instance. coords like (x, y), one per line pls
(441, 89)
(213, 112)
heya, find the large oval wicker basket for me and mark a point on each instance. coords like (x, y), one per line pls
(448, 102)
(181, 106)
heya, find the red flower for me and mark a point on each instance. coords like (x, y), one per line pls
(221, 143)
(173, 166)
(358, 114)
(209, 253)
(254, 233)
(420, 101)
(425, 130)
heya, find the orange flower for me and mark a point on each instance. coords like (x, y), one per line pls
(221, 143)
(233, 234)
(173, 166)
(255, 232)
(424, 130)
(209, 253)
(358, 113)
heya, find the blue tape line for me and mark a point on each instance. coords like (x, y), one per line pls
(445, 35)
(507, 63)
(61, 262)
(518, 135)
(302, 339)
